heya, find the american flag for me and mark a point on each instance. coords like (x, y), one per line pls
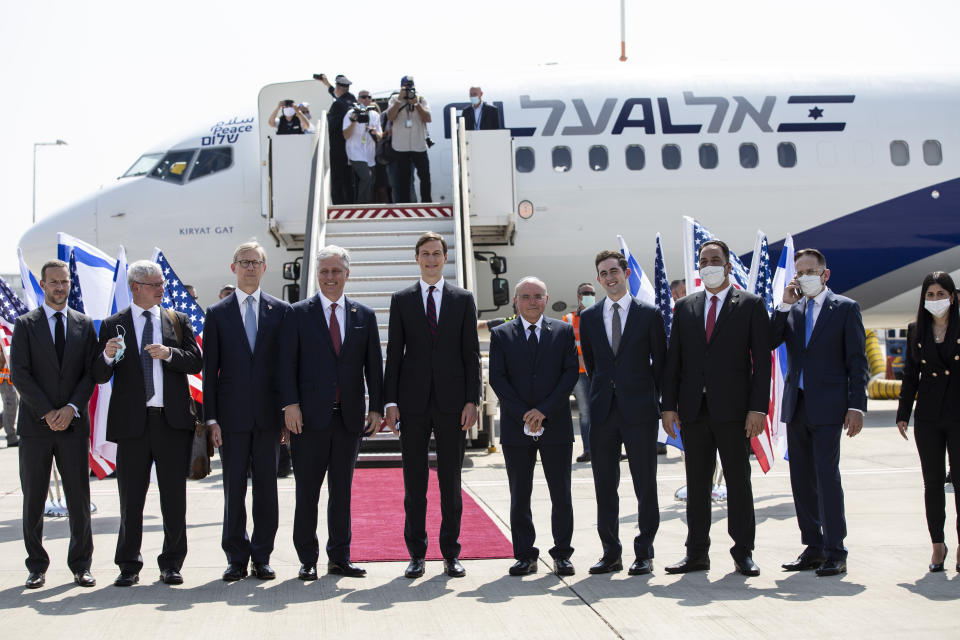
(11, 307)
(75, 299)
(661, 285)
(176, 297)
(761, 283)
(701, 234)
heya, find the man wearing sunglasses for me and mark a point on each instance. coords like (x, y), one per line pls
(150, 417)
(361, 130)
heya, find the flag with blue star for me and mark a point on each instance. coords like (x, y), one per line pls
(75, 298)
(11, 308)
(176, 297)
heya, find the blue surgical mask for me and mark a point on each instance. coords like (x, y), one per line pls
(122, 334)
(474, 100)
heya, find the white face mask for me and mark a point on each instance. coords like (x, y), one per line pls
(713, 276)
(474, 100)
(938, 308)
(588, 301)
(289, 111)
(810, 285)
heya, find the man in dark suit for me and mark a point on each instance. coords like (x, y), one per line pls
(50, 356)
(716, 390)
(330, 347)
(241, 406)
(480, 115)
(341, 175)
(533, 369)
(824, 391)
(624, 350)
(432, 382)
(148, 351)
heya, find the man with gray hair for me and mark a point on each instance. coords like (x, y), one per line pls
(480, 115)
(533, 369)
(149, 351)
(241, 406)
(330, 346)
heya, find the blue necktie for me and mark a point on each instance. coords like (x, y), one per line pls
(807, 329)
(250, 323)
(146, 360)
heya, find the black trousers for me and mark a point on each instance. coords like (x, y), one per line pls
(414, 446)
(341, 175)
(37, 453)
(406, 160)
(703, 438)
(255, 452)
(169, 449)
(934, 437)
(556, 460)
(814, 452)
(314, 454)
(640, 442)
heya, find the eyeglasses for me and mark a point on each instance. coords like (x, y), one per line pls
(811, 272)
(246, 264)
(364, 97)
(526, 297)
(155, 285)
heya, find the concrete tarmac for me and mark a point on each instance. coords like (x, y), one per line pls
(887, 592)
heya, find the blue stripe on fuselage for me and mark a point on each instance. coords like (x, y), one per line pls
(866, 244)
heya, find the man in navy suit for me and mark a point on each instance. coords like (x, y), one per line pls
(824, 392)
(480, 115)
(241, 406)
(533, 369)
(624, 350)
(330, 347)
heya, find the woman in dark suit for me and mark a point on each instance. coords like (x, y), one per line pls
(931, 374)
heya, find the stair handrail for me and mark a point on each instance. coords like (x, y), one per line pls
(315, 234)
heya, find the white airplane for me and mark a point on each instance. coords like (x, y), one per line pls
(865, 169)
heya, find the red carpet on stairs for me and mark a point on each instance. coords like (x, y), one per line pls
(377, 506)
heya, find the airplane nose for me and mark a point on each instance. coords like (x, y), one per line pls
(39, 243)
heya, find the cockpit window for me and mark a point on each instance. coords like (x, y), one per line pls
(173, 167)
(143, 165)
(211, 160)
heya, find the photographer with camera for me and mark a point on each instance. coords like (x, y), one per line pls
(341, 178)
(361, 131)
(410, 114)
(292, 121)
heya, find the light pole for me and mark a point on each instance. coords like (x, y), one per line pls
(58, 143)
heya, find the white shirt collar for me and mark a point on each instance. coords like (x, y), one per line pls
(49, 311)
(623, 303)
(138, 311)
(424, 287)
(527, 325)
(326, 303)
(818, 299)
(721, 295)
(242, 296)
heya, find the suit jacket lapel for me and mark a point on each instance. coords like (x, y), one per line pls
(446, 297)
(349, 318)
(829, 304)
(545, 337)
(263, 318)
(42, 332)
(74, 333)
(699, 313)
(733, 298)
(166, 328)
(316, 309)
(235, 317)
(629, 327)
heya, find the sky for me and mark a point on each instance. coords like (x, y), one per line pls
(114, 78)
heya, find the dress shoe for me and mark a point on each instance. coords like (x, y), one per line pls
(17, 444)
(415, 568)
(307, 572)
(640, 567)
(689, 564)
(584, 457)
(262, 571)
(84, 578)
(235, 571)
(607, 566)
(126, 579)
(803, 563)
(346, 569)
(35, 580)
(171, 576)
(563, 567)
(453, 568)
(832, 567)
(746, 567)
(937, 567)
(661, 449)
(523, 567)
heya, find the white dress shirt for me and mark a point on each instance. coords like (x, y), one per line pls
(624, 303)
(721, 297)
(138, 324)
(242, 302)
(341, 313)
(437, 294)
(526, 327)
(52, 323)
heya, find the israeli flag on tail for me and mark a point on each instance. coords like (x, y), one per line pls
(781, 277)
(664, 302)
(694, 235)
(760, 283)
(32, 293)
(640, 286)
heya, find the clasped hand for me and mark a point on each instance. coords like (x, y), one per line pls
(59, 419)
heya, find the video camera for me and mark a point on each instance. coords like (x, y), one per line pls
(362, 114)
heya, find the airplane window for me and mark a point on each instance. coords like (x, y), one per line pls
(899, 153)
(524, 159)
(143, 165)
(787, 155)
(670, 154)
(708, 156)
(749, 155)
(562, 159)
(636, 157)
(211, 160)
(598, 158)
(173, 167)
(932, 153)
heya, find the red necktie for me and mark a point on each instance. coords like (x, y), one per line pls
(335, 338)
(711, 317)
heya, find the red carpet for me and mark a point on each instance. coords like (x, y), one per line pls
(378, 521)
